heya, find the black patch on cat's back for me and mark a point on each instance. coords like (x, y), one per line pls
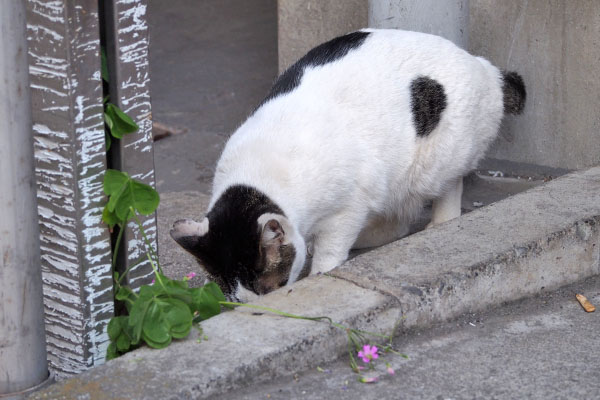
(323, 54)
(428, 101)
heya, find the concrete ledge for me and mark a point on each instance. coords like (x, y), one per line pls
(537, 240)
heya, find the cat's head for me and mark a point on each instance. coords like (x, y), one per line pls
(245, 243)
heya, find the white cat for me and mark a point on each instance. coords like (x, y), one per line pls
(343, 152)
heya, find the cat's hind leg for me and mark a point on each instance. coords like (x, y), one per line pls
(447, 206)
(380, 231)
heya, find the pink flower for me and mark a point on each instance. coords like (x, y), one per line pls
(389, 368)
(152, 283)
(368, 353)
(189, 276)
(363, 379)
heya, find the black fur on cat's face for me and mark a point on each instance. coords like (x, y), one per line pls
(243, 240)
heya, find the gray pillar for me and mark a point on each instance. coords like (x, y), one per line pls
(447, 18)
(70, 160)
(304, 24)
(22, 342)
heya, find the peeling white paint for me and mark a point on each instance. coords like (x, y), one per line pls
(47, 72)
(44, 130)
(39, 31)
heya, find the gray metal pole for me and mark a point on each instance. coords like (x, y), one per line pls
(23, 363)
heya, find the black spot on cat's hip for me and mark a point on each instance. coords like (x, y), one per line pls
(514, 93)
(428, 101)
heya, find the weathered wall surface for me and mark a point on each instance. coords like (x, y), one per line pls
(448, 18)
(555, 45)
(303, 24)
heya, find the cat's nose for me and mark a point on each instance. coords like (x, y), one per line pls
(267, 287)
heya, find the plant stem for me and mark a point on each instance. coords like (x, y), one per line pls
(149, 247)
(117, 245)
(129, 269)
(354, 335)
(285, 314)
(157, 271)
(274, 311)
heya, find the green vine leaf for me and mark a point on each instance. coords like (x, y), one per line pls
(107, 140)
(160, 313)
(124, 193)
(118, 122)
(104, 65)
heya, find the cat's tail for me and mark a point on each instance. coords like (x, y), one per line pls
(514, 93)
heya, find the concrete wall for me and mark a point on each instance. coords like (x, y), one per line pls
(447, 18)
(555, 45)
(303, 24)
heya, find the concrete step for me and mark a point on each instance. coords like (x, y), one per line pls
(532, 242)
(538, 348)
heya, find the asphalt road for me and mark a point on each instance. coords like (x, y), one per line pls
(211, 64)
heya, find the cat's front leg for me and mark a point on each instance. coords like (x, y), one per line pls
(447, 207)
(332, 244)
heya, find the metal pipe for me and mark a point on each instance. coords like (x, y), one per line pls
(23, 362)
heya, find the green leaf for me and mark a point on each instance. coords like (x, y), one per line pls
(215, 290)
(178, 316)
(125, 293)
(104, 65)
(114, 181)
(124, 193)
(123, 343)
(173, 283)
(107, 141)
(111, 351)
(156, 328)
(121, 123)
(114, 327)
(145, 198)
(137, 313)
(205, 303)
(109, 122)
(109, 217)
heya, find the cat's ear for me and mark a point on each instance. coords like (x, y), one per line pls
(189, 233)
(273, 234)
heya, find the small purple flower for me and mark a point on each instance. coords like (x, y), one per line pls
(364, 379)
(189, 276)
(389, 369)
(368, 353)
(152, 283)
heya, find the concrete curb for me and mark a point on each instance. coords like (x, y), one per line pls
(537, 240)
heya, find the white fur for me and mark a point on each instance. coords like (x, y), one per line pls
(189, 227)
(244, 295)
(340, 151)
